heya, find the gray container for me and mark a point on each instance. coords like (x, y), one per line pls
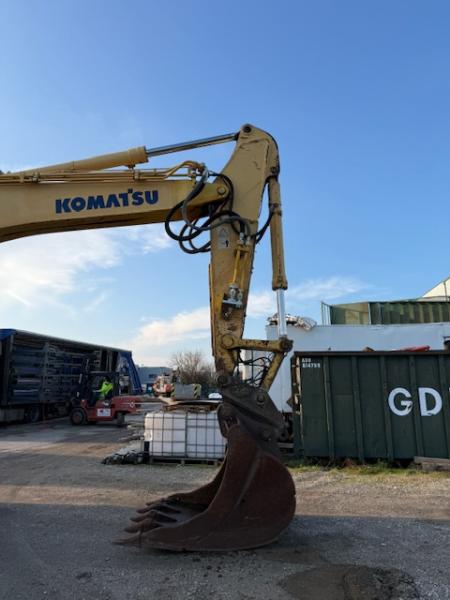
(371, 405)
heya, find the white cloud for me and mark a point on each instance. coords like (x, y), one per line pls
(147, 238)
(329, 289)
(152, 360)
(184, 325)
(261, 304)
(166, 335)
(96, 302)
(38, 270)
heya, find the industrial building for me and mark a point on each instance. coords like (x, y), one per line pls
(375, 325)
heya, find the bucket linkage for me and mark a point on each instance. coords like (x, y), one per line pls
(249, 502)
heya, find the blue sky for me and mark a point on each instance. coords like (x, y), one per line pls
(357, 95)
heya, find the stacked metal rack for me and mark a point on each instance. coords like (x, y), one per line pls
(61, 371)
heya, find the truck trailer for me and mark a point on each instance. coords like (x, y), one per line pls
(39, 374)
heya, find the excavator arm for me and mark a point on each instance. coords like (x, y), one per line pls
(241, 507)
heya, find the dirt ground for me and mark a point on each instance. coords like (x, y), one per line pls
(355, 537)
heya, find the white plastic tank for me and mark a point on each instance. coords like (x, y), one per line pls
(204, 439)
(184, 434)
(166, 433)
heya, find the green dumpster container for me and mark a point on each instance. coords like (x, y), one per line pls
(372, 405)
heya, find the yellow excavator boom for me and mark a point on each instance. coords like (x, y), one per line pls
(241, 508)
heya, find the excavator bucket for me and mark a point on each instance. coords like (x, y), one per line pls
(248, 504)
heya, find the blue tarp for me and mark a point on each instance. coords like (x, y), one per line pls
(6, 333)
(133, 372)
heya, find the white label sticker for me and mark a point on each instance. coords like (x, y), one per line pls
(223, 240)
(307, 363)
(103, 412)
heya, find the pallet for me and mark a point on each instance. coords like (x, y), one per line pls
(432, 464)
(183, 460)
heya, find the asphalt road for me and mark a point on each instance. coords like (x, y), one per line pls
(354, 537)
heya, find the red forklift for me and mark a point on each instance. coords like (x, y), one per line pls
(89, 405)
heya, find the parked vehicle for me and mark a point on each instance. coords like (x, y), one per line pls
(91, 406)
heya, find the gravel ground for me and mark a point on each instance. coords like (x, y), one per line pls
(355, 537)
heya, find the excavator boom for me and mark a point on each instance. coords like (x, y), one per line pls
(252, 499)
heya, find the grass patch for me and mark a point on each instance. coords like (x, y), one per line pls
(349, 467)
(300, 467)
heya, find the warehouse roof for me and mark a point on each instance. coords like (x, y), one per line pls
(5, 333)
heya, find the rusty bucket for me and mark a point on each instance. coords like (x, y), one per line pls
(248, 504)
(250, 501)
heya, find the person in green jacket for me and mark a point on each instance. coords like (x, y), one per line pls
(106, 389)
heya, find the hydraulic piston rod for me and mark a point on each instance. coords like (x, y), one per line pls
(211, 141)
